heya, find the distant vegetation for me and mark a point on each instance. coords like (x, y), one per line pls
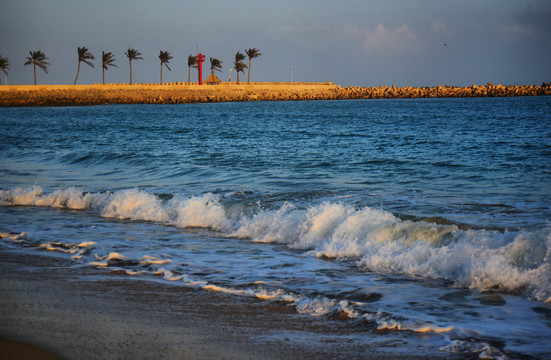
(107, 59)
(238, 64)
(191, 62)
(83, 56)
(251, 53)
(132, 54)
(165, 57)
(4, 66)
(38, 58)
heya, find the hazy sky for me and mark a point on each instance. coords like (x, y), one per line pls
(349, 42)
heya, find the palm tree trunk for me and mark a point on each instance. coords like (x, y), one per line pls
(237, 77)
(102, 68)
(249, 77)
(130, 62)
(78, 71)
(189, 75)
(161, 74)
(34, 68)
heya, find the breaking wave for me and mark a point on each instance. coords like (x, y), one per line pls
(376, 240)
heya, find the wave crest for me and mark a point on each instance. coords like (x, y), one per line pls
(375, 239)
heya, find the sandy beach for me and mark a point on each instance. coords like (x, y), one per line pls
(49, 312)
(176, 93)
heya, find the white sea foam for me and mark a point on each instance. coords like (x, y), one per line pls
(376, 239)
(198, 211)
(380, 242)
(226, 290)
(115, 256)
(484, 350)
(136, 205)
(100, 264)
(324, 306)
(14, 237)
(71, 198)
(169, 275)
(155, 262)
(270, 226)
(86, 244)
(69, 248)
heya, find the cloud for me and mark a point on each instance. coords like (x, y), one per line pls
(440, 28)
(530, 23)
(379, 40)
(536, 18)
(304, 37)
(519, 31)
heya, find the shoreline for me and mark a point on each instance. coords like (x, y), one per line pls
(179, 93)
(85, 313)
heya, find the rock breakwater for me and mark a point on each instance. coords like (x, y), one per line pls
(176, 93)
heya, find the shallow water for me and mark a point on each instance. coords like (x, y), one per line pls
(418, 216)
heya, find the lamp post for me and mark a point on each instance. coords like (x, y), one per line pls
(292, 74)
(229, 75)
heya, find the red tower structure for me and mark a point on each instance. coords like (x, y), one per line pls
(200, 59)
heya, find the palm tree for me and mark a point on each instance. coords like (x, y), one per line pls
(191, 61)
(164, 56)
(132, 54)
(251, 53)
(83, 55)
(107, 59)
(239, 65)
(215, 65)
(4, 66)
(37, 58)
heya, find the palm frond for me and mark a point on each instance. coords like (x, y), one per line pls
(252, 53)
(84, 55)
(43, 67)
(191, 60)
(215, 64)
(133, 54)
(239, 56)
(240, 67)
(88, 63)
(165, 57)
(108, 59)
(238, 64)
(38, 58)
(4, 64)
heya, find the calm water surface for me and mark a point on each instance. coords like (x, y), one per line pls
(428, 218)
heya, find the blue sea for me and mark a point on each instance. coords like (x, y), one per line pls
(420, 219)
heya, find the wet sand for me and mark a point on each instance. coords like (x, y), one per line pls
(17, 350)
(87, 313)
(176, 93)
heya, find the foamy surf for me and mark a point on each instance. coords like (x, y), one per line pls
(317, 306)
(375, 239)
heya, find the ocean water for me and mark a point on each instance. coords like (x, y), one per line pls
(426, 219)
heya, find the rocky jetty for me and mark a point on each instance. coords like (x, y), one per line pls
(488, 90)
(176, 93)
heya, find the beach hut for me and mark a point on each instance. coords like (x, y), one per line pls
(213, 80)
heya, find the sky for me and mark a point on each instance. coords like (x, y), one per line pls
(348, 42)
